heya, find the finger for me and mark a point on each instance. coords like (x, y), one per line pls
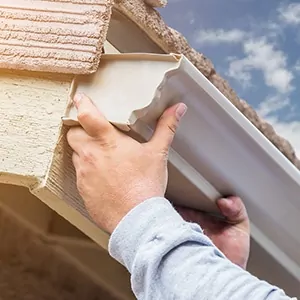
(77, 137)
(208, 223)
(233, 209)
(167, 126)
(75, 160)
(90, 118)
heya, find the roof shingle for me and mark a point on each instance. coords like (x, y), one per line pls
(45, 35)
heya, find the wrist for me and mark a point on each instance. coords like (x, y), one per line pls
(128, 203)
(140, 225)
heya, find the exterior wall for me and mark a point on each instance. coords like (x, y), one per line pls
(31, 108)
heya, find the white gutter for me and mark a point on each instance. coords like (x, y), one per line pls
(216, 151)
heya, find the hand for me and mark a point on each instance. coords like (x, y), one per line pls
(231, 236)
(114, 172)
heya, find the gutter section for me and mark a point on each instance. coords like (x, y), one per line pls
(216, 150)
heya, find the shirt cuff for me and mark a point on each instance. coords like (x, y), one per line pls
(140, 226)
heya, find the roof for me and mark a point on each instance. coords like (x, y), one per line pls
(68, 36)
(53, 36)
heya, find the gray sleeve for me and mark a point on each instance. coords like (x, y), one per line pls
(169, 258)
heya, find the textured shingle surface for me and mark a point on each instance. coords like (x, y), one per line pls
(53, 35)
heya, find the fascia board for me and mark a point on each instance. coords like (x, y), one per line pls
(216, 151)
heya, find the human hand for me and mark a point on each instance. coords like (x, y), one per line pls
(114, 172)
(231, 236)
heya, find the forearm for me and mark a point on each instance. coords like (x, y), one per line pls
(169, 258)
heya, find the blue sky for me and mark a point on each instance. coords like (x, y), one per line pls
(255, 45)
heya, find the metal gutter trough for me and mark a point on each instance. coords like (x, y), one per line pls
(216, 151)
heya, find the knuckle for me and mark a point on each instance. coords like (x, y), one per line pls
(154, 154)
(88, 156)
(164, 153)
(83, 115)
(106, 143)
(80, 185)
(70, 134)
(173, 127)
(239, 215)
(81, 174)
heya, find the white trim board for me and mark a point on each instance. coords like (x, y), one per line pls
(216, 149)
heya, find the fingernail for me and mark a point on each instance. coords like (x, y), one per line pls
(228, 200)
(180, 111)
(77, 98)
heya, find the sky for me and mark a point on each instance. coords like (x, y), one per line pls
(255, 45)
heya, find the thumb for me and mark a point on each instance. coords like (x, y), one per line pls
(233, 209)
(167, 126)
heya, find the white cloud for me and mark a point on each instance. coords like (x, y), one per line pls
(263, 56)
(218, 36)
(289, 130)
(261, 52)
(214, 36)
(190, 16)
(272, 105)
(297, 66)
(290, 13)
